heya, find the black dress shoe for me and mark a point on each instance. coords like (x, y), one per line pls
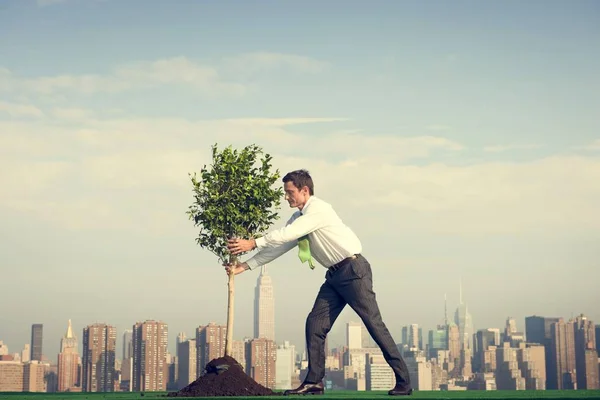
(400, 390)
(307, 388)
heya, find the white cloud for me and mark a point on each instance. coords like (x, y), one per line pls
(173, 71)
(502, 148)
(20, 110)
(71, 114)
(130, 172)
(266, 61)
(593, 146)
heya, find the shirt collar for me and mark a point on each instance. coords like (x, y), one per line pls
(306, 204)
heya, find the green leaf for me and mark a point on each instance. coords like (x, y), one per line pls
(235, 196)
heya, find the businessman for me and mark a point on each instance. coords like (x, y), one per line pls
(320, 235)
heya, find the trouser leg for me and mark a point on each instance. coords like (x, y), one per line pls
(328, 306)
(357, 290)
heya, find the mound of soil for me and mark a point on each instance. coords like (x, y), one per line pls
(223, 377)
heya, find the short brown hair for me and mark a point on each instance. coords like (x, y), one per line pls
(300, 178)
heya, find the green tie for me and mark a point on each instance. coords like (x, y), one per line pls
(304, 251)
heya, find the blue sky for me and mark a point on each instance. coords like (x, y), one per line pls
(460, 140)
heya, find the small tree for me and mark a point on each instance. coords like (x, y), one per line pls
(234, 198)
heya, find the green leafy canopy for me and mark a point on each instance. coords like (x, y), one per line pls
(234, 197)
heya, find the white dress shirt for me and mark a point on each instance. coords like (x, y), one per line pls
(331, 241)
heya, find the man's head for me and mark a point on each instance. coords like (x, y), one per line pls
(298, 186)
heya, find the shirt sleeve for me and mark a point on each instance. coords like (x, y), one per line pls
(269, 254)
(303, 225)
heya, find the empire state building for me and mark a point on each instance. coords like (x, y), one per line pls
(264, 307)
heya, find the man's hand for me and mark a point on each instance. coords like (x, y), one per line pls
(238, 246)
(235, 268)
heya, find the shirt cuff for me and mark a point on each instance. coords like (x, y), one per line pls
(252, 263)
(260, 242)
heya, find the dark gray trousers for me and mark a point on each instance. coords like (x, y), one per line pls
(351, 284)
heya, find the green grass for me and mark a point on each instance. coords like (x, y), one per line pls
(331, 395)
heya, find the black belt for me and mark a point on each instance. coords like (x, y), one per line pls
(335, 267)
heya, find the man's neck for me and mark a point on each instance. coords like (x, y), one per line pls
(302, 206)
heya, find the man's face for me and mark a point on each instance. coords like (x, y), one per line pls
(294, 196)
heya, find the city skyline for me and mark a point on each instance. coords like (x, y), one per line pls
(338, 338)
(460, 141)
(560, 354)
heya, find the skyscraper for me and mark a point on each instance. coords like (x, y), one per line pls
(150, 339)
(462, 318)
(585, 348)
(438, 340)
(210, 344)
(563, 354)
(68, 361)
(284, 366)
(412, 337)
(264, 307)
(186, 359)
(354, 335)
(539, 330)
(37, 337)
(261, 361)
(484, 338)
(98, 361)
(454, 342)
(598, 339)
(127, 344)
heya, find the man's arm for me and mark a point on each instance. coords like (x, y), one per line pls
(265, 255)
(290, 233)
(269, 254)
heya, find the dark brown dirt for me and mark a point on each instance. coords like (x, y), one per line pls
(223, 377)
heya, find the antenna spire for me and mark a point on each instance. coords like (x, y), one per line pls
(445, 310)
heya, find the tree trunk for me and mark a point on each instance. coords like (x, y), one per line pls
(230, 302)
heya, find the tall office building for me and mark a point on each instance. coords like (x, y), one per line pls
(563, 355)
(378, 374)
(186, 359)
(585, 350)
(508, 374)
(68, 361)
(464, 321)
(127, 344)
(511, 334)
(539, 330)
(264, 306)
(532, 365)
(261, 357)
(37, 337)
(26, 353)
(510, 327)
(11, 376)
(484, 339)
(454, 343)
(34, 374)
(412, 337)
(210, 344)
(98, 361)
(284, 366)
(150, 339)
(354, 335)
(181, 337)
(438, 340)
